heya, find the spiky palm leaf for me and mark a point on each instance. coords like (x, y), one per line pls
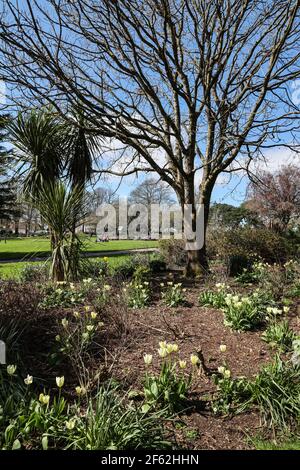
(37, 136)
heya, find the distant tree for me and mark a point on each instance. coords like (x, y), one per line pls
(151, 191)
(8, 204)
(100, 196)
(276, 197)
(230, 216)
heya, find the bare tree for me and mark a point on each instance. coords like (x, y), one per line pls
(276, 197)
(186, 87)
(151, 191)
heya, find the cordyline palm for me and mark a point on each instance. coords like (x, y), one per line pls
(61, 209)
(37, 138)
(51, 149)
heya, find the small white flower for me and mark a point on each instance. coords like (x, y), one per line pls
(60, 381)
(11, 369)
(194, 359)
(223, 348)
(148, 359)
(28, 380)
(64, 323)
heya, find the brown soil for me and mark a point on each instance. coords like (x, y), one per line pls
(194, 328)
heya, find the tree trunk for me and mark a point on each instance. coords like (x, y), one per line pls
(197, 263)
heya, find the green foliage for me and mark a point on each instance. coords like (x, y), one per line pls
(173, 251)
(275, 391)
(62, 294)
(108, 423)
(279, 335)
(141, 274)
(214, 299)
(247, 245)
(77, 332)
(34, 272)
(244, 313)
(296, 352)
(167, 390)
(292, 443)
(173, 294)
(137, 295)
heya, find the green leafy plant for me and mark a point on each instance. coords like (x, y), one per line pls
(214, 299)
(275, 391)
(138, 295)
(77, 333)
(167, 390)
(173, 294)
(296, 352)
(279, 335)
(242, 313)
(108, 422)
(61, 295)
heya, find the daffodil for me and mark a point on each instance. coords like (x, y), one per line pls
(223, 348)
(57, 338)
(227, 374)
(162, 344)
(182, 364)
(76, 314)
(148, 359)
(28, 380)
(105, 259)
(60, 381)
(11, 369)
(94, 315)
(107, 287)
(90, 328)
(286, 309)
(221, 369)
(64, 323)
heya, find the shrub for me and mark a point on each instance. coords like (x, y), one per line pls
(173, 251)
(279, 335)
(63, 294)
(93, 269)
(157, 265)
(173, 294)
(240, 248)
(34, 272)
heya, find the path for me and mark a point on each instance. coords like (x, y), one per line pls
(88, 254)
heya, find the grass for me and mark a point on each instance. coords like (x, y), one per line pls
(290, 444)
(13, 270)
(27, 248)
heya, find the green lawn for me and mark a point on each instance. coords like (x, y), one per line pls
(26, 248)
(13, 270)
